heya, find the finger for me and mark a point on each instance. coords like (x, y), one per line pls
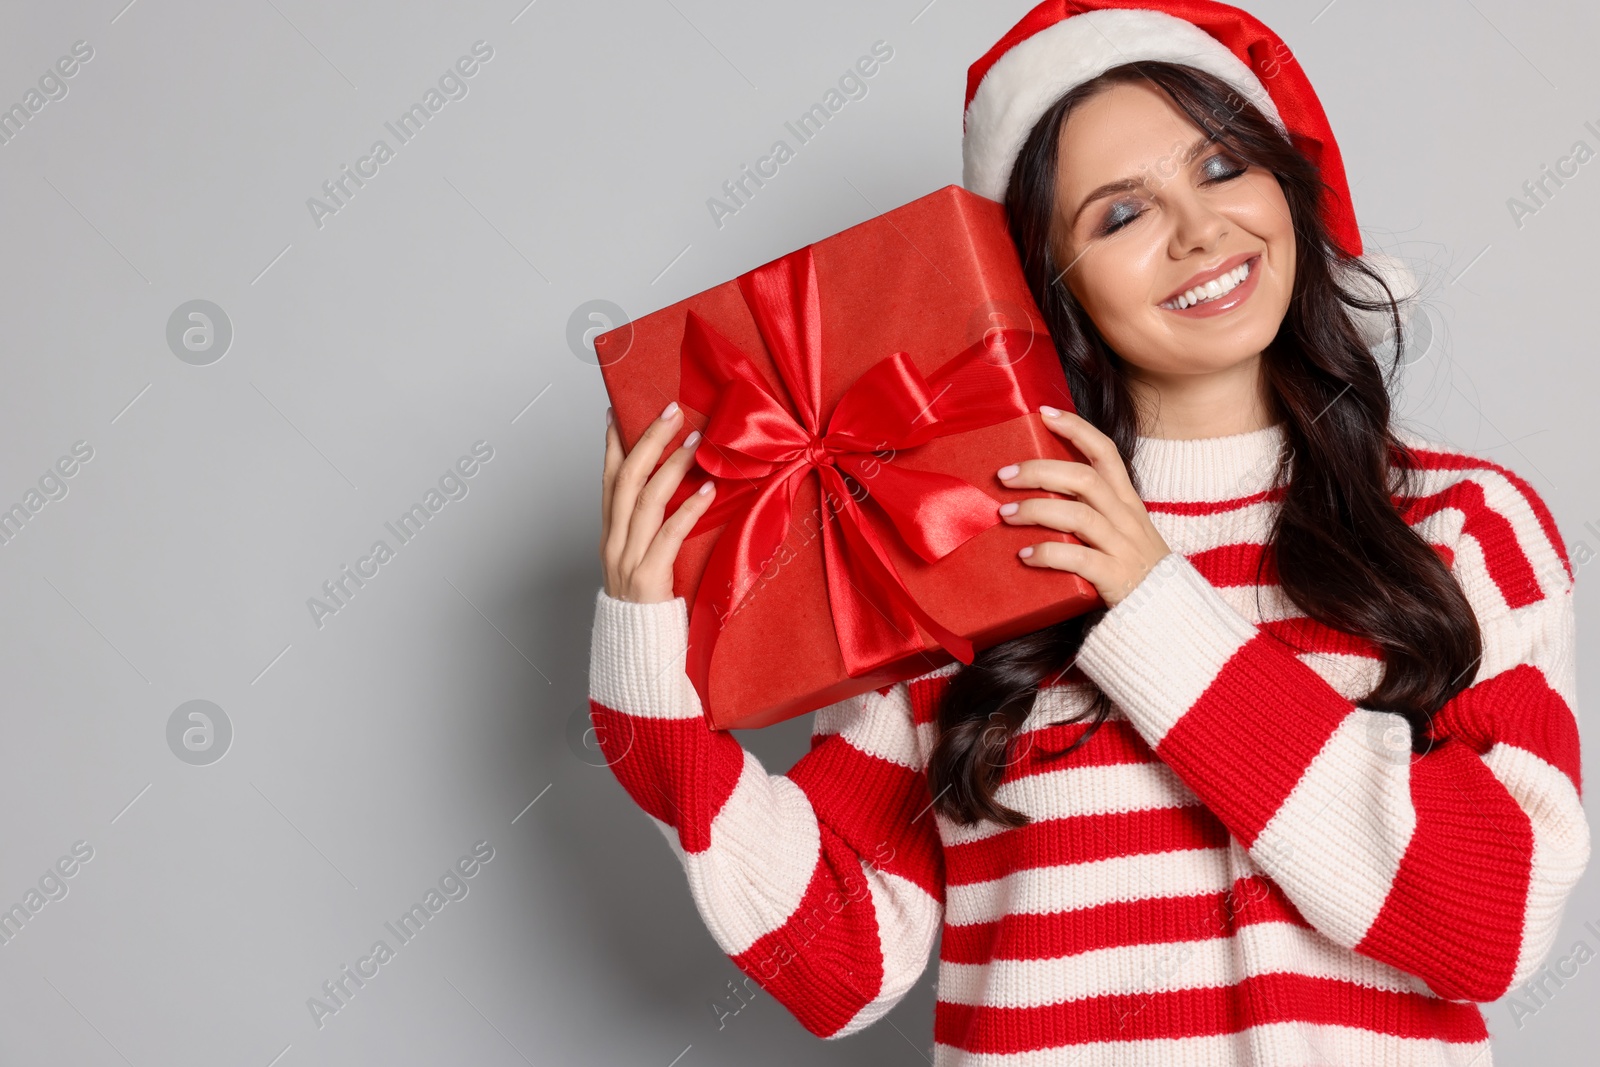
(651, 506)
(1092, 566)
(664, 548)
(635, 469)
(608, 473)
(1068, 516)
(1097, 448)
(1062, 476)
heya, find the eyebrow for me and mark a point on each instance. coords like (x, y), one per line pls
(1126, 184)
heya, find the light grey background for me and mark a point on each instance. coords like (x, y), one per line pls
(431, 312)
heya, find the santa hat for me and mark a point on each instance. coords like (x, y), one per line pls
(1063, 43)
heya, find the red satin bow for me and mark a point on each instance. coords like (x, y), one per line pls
(757, 446)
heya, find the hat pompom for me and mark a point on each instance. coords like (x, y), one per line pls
(1375, 326)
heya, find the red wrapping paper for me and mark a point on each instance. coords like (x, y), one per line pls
(920, 321)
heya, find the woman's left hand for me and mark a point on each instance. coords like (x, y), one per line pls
(1120, 544)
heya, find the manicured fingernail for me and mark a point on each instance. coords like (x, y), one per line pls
(1025, 551)
(610, 416)
(1009, 509)
(705, 487)
(1048, 411)
(692, 440)
(1010, 470)
(670, 410)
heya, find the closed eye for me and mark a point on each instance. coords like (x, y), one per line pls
(1223, 167)
(1118, 217)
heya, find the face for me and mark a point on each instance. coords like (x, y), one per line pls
(1148, 210)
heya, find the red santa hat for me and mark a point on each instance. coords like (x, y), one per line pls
(1063, 43)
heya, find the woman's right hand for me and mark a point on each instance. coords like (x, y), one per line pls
(637, 548)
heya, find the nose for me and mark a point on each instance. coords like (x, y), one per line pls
(1197, 226)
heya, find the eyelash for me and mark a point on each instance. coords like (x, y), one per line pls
(1112, 226)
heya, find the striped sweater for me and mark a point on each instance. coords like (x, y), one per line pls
(1242, 866)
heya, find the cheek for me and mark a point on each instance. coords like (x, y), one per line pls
(1113, 280)
(1261, 208)
(1115, 284)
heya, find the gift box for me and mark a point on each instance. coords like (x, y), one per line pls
(857, 397)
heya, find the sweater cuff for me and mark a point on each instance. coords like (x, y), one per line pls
(1158, 650)
(637, 657)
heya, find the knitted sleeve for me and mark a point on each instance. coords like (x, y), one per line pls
(1454, 865)
(825, 885)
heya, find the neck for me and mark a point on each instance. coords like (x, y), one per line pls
(1215, 404)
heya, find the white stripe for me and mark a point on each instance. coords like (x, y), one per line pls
(1443, 527)
(764, 848)
(1540, 635)
(1059, 702)
(637, 654)
(1163, 645)
(1188, 534)
(1560, 846)
(877, 725)
(1472, 574)
(908, 921)
(1351, 676)
(1072, 792)
(1042, 890)
(1274, 1044)
(1260, 604)
(1124, 970)
(1335, 843)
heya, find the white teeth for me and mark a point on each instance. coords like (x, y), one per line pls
(1212, 289)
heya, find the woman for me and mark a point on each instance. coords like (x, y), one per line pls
(1304, 791)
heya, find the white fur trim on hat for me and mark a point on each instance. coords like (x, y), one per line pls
(1035, 72)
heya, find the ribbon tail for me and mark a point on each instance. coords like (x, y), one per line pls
(881, 629)
(730, 575)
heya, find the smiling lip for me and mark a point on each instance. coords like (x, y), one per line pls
(1208, 275)
(1228, 301)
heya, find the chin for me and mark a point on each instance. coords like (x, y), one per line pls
(1225, 341)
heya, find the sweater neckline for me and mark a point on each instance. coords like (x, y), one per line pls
(1208, 468)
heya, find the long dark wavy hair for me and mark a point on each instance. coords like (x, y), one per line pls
(1342, 551)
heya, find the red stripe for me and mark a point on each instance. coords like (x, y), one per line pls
(1454, 913)
(1250, 737)
(1083, 839)
(1304, 634)
(1115, 743)
(1119, 924)
(1236, 564)
(1255, 1001)
(925, 694)
(884, 815)
(679, 770)
(1430, 460)
(823, 963)
(1516, 706)
(1212, 507)
(1508, 565)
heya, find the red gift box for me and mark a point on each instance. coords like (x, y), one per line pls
(856, 397)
